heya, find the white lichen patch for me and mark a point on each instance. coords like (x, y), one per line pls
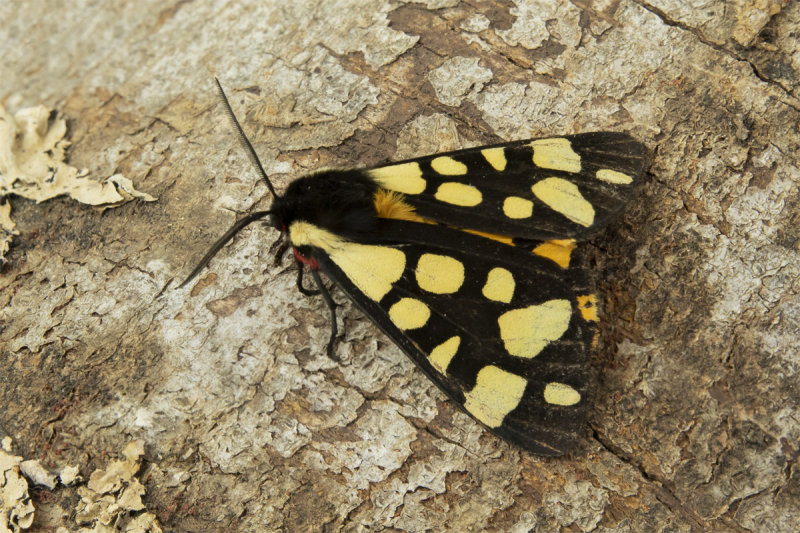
(457, 79)
(34, 471)
(69, 475)
(7, 227)
(32, 152)
(16, 509)
(112, 495)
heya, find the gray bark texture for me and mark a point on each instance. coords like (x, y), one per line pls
(240, 420)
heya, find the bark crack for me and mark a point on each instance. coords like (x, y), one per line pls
(669, 21)
(658, 486)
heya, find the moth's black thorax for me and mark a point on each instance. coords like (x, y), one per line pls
(341, 201)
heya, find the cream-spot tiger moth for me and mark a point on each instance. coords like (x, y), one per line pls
(464, 259)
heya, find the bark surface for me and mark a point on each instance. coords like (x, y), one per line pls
(242, 422)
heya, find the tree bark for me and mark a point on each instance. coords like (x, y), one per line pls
(246, 424)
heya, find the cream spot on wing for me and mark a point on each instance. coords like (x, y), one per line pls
(564, 197)
(558, 251)
(404, 177)
(612, 176)
(556, 154)
(441, 355)
(409, 313)
(525, 332)
(495, 157)
(439, 274)
(458, 194)
(499, 285)
(561, 394)
(448, 166)
(496, 393)
(516, 207)
(372, 269)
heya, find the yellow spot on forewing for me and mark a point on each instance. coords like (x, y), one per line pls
(404, 177)
(556, 154)
(526, 332)
(439, 274)
(587, 304)
(561, 394)
(559, 251)
(409, 313)
(458, 194)
(499, 285)
(495, 157)
(612, 176)
(496, 393)
(516, 207)
(448, 166)
(441, 356)
(306, 234)
(564, 197)
(372, 269)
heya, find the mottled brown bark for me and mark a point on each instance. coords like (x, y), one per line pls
(246, 424)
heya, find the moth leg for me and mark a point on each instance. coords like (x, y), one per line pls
(303, 290)
(278, 250)
(332, 306)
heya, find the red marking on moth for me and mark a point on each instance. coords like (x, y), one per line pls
(310, 262)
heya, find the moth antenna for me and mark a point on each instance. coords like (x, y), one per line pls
(248, 146)
(222, 241)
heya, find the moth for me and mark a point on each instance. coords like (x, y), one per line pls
(465, 260)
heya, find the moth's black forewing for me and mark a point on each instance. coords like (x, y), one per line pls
(599, 150)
